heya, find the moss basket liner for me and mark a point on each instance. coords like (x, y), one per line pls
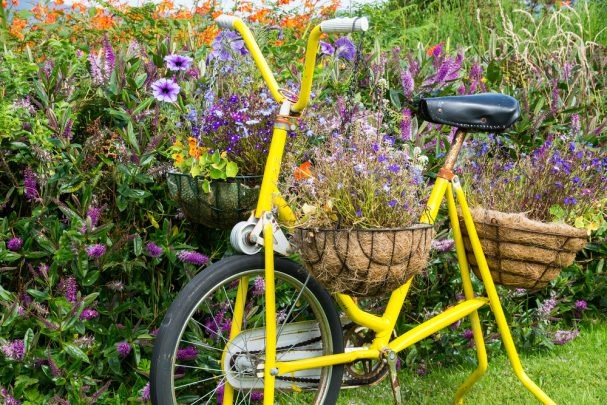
(521, 252)
(364, 262)
(227, 202)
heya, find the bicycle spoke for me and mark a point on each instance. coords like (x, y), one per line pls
(195, 382)
(293, 304)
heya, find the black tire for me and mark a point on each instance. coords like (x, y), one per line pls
(205, 287)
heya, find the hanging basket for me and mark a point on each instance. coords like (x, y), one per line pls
(521, 252)
(227, 202)
(364, 262)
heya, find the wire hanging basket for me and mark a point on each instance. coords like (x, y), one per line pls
(520, 252)
(226, 203)
(364, 262)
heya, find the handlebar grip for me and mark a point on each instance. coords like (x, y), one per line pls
(345, 25)
(226, 21)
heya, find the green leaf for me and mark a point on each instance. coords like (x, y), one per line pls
(137, 245)
(217, 174)
(206, 186)
(40, 295)
(28, 338)
(132, 137)
(90, 298)
(494, 72)
(90, 278)
(231, 169)
(7, 256)
(75, 352)
(144, 105)
(395, 98)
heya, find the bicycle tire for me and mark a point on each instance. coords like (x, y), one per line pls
(207, 285)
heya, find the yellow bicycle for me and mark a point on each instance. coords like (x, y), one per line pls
(257, 327)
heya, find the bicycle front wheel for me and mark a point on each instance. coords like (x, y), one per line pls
(195, 361)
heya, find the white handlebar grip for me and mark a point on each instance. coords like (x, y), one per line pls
(345, 25)
(226, 21)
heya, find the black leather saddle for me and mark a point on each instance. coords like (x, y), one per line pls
(487, 112)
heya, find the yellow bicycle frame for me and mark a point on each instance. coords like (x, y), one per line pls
(383, 325)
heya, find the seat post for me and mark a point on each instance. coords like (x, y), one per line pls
(446, 172)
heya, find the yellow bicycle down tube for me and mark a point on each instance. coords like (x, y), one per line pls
(252, 46)
(239, 305)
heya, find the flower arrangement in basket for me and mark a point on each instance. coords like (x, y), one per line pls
(534, 213)
(361, 199)
(221, 143)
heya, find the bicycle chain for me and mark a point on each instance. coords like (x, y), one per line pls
(352, 381)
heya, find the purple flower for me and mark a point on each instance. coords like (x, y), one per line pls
(14, 350)
(326, 48)
(153, 249)
(52, 365)
(88, 314)
(95, 69)
(392, 203)
(576, 126)
(96, 251)
(29, 184)
(444, 245)
(165, 90)
(8, 399)
(581, 305)
(405, 125)
(257, 396)
(344, 48)
(407, 82)
(219, 392)
(123, 348)
(71, 289)
(195, 258)
(421, 371)
(394, 168)
(178, 62)
(188, 354)
(563, 336)
(145, 393)
(547, 306)
(67, 131)
(110, 59)
(14, 244)
(259, 287)
(94, 214)
(468, 334)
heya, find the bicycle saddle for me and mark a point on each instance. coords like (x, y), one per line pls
(485, 112)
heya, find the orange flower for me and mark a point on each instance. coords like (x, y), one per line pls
(245, 7)
(4, 3)
(430, 50)
(283, 2)
(178, 144)
(303, 171)
(17, 26)
(79, 6)
(193, 151)
(279, 42)
(178, 158)
(259, 15)
(192, 141)
(58, 2)
(209, 34)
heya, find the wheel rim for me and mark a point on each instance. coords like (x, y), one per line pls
(202, 348)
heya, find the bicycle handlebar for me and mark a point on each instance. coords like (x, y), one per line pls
(345, 25)
(342, 25)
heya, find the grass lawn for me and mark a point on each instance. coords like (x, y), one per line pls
(575, 373)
